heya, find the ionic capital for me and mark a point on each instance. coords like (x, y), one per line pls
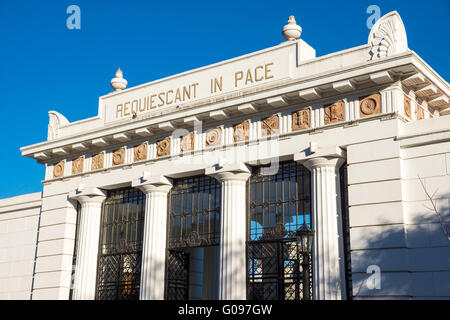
(332, 157)
(229, 172)
(88, 195)
(149, 184)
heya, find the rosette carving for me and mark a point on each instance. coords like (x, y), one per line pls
(187, 143)
(163, 147)
(334, 112)
(407, 106)
(301, 120)
(240, 131)
(118, 157)
(213, 137)
(58, 170)
(77, 165)
(369, 105)
(140, 152)
(270, 125)
(97, 161)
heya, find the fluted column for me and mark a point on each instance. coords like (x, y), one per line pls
(152, 283)
(232, 253)
(88, 241)
(328, 247)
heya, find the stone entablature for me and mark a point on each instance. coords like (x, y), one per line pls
(266, 125)
(299, 92)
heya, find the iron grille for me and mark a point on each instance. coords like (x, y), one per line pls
(279, 205)
(120, 254)
(194, 218)
(177, 286)
(277, 270)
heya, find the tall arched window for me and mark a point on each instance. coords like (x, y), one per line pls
(120, 252)
(278, 206)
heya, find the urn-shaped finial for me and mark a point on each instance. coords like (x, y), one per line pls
(291, 31)
(119, 83)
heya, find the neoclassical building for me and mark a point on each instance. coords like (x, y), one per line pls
(199, 185)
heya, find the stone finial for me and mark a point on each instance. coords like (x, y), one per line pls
(119, 83)
(291, 31)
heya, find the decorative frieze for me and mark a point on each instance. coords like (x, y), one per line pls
(420, 113)
(369, 105)
(270, 125)
(240, 131)
(187, 143)
(301, 119)
(163, 147)
(213, 137)
(77, 165)
(334, 112)
(407, 107)
(118, 157)
(140, 152)
(58, 170)
(97, 161)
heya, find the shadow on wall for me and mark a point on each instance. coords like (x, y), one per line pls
(409, 260)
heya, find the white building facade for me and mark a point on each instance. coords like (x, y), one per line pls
(194, 186)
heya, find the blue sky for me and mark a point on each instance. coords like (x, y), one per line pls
(45, 66)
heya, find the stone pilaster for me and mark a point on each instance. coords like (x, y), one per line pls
(232, 253)
(156, 190)
(328, 247)
(88, 242)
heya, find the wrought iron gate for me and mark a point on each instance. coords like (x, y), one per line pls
(177, 282)
(277, 271)
(279, 205)
(194, 221)
(120, 253)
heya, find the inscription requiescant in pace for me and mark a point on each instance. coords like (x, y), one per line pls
(191, 91)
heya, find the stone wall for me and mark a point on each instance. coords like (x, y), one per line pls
(19, 223)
